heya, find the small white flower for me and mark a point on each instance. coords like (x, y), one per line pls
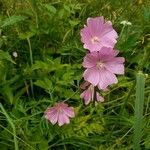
(15, 54)
(126, 23)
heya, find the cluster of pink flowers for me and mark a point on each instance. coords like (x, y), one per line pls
(101, 63)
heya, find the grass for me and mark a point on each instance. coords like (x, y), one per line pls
(139, 105)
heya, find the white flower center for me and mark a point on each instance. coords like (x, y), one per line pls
(95, 40)
(99, 65)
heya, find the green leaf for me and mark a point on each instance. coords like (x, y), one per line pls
(50, 8)
(40, 65)
(26, 35)
(45, 84)
(5, 56)
(139, 104)
(74, 22)
(13, 20)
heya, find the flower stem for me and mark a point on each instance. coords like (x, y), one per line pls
(31, 62)
(121, 33)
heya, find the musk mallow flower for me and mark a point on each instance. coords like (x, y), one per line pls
(97, 34)
(102, 66)
(88, 95)
(60, 113)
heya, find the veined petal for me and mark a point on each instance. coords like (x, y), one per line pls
(115, 68)
(52, 116)
(106, 78)
(63, 119)
(95, 25)
(87, 96)
(108, 41)
(69, 111)
(92, 75)
(115, 65)
(90, 60)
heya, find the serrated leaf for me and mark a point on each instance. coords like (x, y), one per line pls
(74, 22)
(13, 20)
(26, 35)
(45, 84)
(6, 56)
(50, 8)
(40, 65)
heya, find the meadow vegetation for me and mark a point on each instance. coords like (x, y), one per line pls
(41, 57)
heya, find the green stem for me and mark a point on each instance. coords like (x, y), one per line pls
(31, 61)
(12, 125)
(121, 33)
(30, 50)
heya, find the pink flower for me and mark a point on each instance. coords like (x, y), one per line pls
(88, 95)
(60, 113)
(98, 33)
(102, 67)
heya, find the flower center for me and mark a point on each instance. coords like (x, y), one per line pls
(99, 65)
(95, 40)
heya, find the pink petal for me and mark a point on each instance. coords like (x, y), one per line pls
(95, 25)
(107, 53)
(63, 119)
(87, 96)
(111, 34)
(115, 65)
(106, 78)
(107, 41)
(92, 75)
(69, 111)
(85, 35)
(99, 98)
(90, 60)
(115, 68)
(52, 116)
(107, 27)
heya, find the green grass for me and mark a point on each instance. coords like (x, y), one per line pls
(139, 105)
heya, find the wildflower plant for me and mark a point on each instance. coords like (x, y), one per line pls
(101, 63)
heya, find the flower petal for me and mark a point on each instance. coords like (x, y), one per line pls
(99, 98)
(106, 78)
(52, 115)
(69, 111)
(95, 25)
(90, 60)
(115, 65)
(87, 96)
(63, 119)
(92, 75)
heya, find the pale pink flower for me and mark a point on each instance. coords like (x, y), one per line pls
(102, 67)
(60, 113)
(88, 95)
(98, 33)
